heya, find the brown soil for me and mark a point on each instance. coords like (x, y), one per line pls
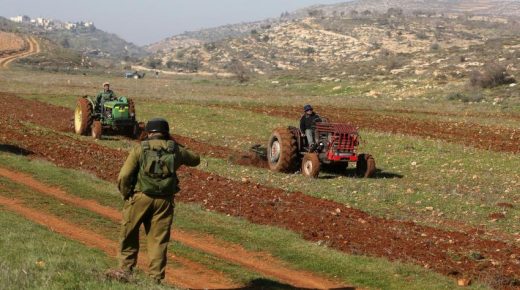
(193, 276)
(494, 138)
(322, 221)
(248, 159)
(259, 262)
(10, 42)
(505, 205)
(496, 216)
(32, 48)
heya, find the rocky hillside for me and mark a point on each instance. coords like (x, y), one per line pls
(193, 38)
(371, 44)
(477, 7)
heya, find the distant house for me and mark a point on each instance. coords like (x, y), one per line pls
(43, 22)
(21, 19)
(70, 25)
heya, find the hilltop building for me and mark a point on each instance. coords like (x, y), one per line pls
(50, 24)
(21, 19)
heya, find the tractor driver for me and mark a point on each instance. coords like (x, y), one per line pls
(105, 96)
(308, 122)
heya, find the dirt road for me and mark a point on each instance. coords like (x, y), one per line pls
(258, 262)
(32, 48)
(191, 275)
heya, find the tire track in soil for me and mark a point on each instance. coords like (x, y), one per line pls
(493, 138)
(259, 262)
(327, 222)
(34, 47)
(192, 277)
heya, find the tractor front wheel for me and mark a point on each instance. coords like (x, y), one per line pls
(282, 150)
(83, 116)
(97, 130)
(311, 165)
(365, 166)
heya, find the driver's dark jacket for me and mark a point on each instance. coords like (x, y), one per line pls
(309, 121)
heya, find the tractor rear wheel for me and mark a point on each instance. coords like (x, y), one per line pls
(97, 130)
(311, 165)
(83, 116)
(365, 166)
(131, 108)
(282, 150)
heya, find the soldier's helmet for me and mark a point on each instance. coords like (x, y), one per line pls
(157, 125)
(106, 84)
(307, 108)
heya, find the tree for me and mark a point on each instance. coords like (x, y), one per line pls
(65, 42)
(239, 70)
(154, 63)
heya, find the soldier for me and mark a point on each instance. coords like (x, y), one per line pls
(148, 183)
(106, 95)
(307, 123)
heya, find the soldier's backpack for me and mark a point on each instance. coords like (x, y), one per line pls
(157, 172)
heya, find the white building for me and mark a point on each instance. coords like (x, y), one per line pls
(21, 19)
(70, 25)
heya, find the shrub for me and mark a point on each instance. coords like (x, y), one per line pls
(237, 67)
(492, 75)
(309, 50)
(435, 46)
(472, 98)
(394, 62)
(210, 46)
(154, 63)
(421, 35)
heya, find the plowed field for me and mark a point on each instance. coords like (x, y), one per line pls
(330, 223)
(494, 138)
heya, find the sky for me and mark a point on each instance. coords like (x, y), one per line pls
(144, 22)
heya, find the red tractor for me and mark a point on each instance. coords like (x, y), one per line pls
(335, 147)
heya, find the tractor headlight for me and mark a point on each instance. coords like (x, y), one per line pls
(132, 115)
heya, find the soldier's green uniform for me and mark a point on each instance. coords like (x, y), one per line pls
(150, 202)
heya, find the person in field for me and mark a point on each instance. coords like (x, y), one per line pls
(307, 124)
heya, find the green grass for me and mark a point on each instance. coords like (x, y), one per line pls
(415, 175)
(33, 257)
(110, 229)
(452, 179)
(412, 91)
(358, 270)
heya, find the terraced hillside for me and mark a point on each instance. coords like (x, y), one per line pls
(371, 47)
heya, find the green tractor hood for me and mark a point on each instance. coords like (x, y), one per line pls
(118, 109)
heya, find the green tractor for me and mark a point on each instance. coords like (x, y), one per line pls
(116, 116)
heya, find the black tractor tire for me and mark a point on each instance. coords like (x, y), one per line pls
(365, 166)
(311, 165)
(97, 130)
(83, 116)
(282, 151)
